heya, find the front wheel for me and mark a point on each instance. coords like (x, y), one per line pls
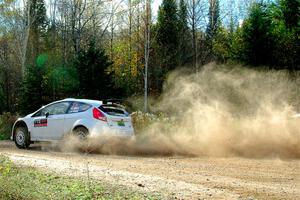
(22, 139)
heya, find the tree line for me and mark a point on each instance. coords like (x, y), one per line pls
(55, 49)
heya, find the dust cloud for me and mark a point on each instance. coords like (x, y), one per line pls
(221, 111)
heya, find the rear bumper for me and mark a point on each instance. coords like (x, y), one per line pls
(108, 130)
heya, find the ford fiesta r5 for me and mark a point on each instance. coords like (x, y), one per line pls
(80, 117)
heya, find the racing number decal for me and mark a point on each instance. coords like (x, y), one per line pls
(40, 123)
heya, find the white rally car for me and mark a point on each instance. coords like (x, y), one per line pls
(80, 117)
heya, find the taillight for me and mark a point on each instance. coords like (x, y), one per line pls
(97, 114)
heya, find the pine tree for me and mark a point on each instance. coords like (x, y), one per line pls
(183, 31)
(38, 14)
(167, 35)
(270, 35)
(285, 32)
(34, 91)
(214, 19)
(291, 13)
(256, 36)
(92, 67)
(34, 87)
(38, 22)
(213, 27)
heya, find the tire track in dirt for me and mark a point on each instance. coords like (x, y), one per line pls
(180, 177)
(168, 187)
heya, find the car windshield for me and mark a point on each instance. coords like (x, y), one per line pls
(114, 110)
(53, 109)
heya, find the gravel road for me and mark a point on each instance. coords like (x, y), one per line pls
(174, 177)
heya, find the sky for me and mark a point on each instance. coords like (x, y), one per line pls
(227, 6)
(237, 7)
(155, 6)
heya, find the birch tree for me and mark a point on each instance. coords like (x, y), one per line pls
(196, 13)
(147, 53)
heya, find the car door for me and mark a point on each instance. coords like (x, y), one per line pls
(49, 121)
(38, 126)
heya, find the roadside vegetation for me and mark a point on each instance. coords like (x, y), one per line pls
(29, 183)
(142, 121)
(6, 122)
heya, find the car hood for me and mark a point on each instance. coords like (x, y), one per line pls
(27, 116)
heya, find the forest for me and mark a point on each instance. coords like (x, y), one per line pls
(99, 49)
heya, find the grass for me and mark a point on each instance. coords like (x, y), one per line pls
(29, 183)
(6, 122)
(4, 137)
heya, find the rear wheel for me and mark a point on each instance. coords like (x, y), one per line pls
(22, 139)
(81, 132)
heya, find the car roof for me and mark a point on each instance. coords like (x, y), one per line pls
(95, 103)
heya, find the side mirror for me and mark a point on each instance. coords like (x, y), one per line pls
(47, 114)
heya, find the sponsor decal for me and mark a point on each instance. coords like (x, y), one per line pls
(40, 122)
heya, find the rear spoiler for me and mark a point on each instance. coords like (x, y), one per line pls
(114, 102)
(122, 103)
(111, 101)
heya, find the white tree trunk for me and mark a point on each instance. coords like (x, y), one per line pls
(147, 48)
(26, 36)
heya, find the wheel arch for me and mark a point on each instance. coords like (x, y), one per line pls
(80, 125)
(19, 123)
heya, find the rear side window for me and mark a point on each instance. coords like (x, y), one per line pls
(114, 110)
(77, 107)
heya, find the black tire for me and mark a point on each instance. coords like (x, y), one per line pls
(21, 137)
(81, 132)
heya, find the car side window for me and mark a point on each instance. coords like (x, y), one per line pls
(78, 107)
(54, 109)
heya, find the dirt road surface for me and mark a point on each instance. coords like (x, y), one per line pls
(172, 177)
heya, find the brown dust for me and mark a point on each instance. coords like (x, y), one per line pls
(221, 111)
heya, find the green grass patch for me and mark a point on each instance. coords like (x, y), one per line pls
(4, 137)
(29, 183)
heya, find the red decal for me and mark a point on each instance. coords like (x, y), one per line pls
(40, 123)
